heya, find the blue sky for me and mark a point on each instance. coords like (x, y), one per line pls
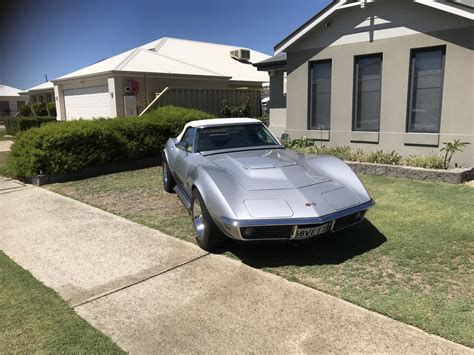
(55, 37)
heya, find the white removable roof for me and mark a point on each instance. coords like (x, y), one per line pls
(215, 122)
(87, 102)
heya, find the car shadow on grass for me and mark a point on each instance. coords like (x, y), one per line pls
(332, 248)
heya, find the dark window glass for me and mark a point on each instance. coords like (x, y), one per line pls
(367, 92)
(233, 136)
(188, 138)
(426, 90)
(320, 99)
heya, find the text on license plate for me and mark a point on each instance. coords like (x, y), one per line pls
(303, 232)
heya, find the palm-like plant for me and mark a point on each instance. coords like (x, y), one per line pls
(450, 148)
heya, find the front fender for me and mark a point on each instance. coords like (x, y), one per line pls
(338, 171)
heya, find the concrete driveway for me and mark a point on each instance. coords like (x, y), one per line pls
(153, 293)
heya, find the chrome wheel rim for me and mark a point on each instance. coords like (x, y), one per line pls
(198, 220)
(165, 174)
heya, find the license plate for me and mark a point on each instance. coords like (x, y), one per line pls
(302, 232)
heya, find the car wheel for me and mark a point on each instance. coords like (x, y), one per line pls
(208, 235)
(168, 180)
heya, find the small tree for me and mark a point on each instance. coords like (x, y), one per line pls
(39, 109)
(450, 148)
(25, 110)
(51, 108)
(242, 110)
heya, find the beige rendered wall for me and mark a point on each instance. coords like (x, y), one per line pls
(399, 32)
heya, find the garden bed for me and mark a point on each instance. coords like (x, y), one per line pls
(93, 171)
(452, 176)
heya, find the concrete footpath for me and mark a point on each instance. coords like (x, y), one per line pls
(152, 293)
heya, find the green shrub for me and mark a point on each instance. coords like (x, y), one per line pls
(74, 145)
(39, 109)
(381, 157)
(25, 110)
(425, 161)
(51, 108)
(14, 125)
(300, 143)
(242, 110)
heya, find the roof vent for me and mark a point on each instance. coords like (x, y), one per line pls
(240, 54)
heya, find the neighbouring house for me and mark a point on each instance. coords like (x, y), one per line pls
(378, 74)
(10, 101)
(198, 74)
(40, 93)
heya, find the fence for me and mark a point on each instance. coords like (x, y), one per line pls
(210, 100)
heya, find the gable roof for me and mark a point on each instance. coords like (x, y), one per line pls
(178, 56)
(456, 7)
(6, 90)
(48, 85)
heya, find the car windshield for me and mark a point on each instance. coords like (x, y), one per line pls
(233, 136)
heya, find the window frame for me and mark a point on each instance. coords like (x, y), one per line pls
(310, 94)
(411, 84)
(355, 91)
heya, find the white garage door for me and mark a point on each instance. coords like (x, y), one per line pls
(88, 102)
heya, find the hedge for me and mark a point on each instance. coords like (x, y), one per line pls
(75, 145)
(13, 125)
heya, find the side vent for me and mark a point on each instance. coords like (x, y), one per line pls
(240, 54)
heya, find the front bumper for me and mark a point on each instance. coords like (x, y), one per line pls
(338, 220)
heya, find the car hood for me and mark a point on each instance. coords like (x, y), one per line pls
(268, 169)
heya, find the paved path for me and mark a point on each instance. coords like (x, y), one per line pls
(5, 146)
(153, 293)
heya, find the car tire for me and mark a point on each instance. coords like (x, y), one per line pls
(208, 235)
(168, 180)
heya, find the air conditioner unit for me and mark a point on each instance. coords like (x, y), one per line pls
(240, 54)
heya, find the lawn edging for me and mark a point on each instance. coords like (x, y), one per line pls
(451, 176)
(93, 171)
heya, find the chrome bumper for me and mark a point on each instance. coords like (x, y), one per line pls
(238, 223)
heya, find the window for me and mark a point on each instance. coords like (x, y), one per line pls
(426, 89)
(367, 92)
(33, 99)
(320, 95)
(188, 139)
(234, 137)
(4, 108)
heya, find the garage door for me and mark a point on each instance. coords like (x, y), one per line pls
(88, 102)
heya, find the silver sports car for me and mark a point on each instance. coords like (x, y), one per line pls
(237, 180)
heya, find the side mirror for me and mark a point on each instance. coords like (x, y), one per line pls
(182, 145)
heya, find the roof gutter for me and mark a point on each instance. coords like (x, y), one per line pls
(307, 26)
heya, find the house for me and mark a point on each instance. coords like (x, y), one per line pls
(378, 74)
(127, 83)
(10, 101)
(40, 93)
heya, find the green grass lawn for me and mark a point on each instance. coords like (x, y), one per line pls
(412, 259)
(35, 320)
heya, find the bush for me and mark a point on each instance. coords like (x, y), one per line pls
(14, 125)
(381, 157)
(39, 109)
(242, 110)
(51, 108)
(25, 110)
(75, 145)
(425, 161)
